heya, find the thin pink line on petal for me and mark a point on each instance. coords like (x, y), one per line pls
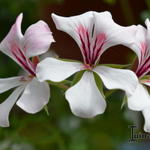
(85, 43)
(20, 57)
(91, 53)
(97, 49)
(144, 63)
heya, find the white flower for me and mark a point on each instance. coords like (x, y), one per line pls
(140, 100)
(94, 33)
(31, 95)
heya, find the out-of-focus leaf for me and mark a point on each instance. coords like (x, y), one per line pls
(148, 3)
(111, 2)
(145, 14)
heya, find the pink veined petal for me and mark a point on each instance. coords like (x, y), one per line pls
(13, 39)
(139, 46)
(97, 48)
(144, 59)
(12, 46)
(91, 47)
(7, 105)
(35, 96)
(85, 43)
(79, 28)
(115, 34)
(37, 39)
(72, 25)
(95, 32)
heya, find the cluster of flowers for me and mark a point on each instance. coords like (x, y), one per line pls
(94, 33)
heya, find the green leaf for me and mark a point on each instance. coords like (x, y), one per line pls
(145, 14)
(109, 93)
(119, 66)
(99, 83)
(77, 77)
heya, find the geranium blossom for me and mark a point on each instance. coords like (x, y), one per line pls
(94, 33)
(140, 100)
(31, 95)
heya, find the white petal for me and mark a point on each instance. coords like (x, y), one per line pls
(95, 30)
(8, 83)
(50, 53)
(140, 99)
(139, 40)
(147, 22)
(84, 97)
(117, 78)
(146, 114)
(70, 25)
(13, 38)
(35, 96)
(37, 39)
(115, 34)
(7, 105)
(56, 70)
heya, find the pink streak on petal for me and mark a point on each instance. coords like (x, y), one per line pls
(20, 57)
(97, 49)
(91, 53)
(85, 43)
(144, 63)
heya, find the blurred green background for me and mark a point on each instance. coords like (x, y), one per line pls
(61, 130)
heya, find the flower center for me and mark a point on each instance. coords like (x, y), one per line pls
(88, 67)
(91, 45)
(27, 78)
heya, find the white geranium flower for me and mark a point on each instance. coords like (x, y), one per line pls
(31, 95)
(94, 33)
(140, 100)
